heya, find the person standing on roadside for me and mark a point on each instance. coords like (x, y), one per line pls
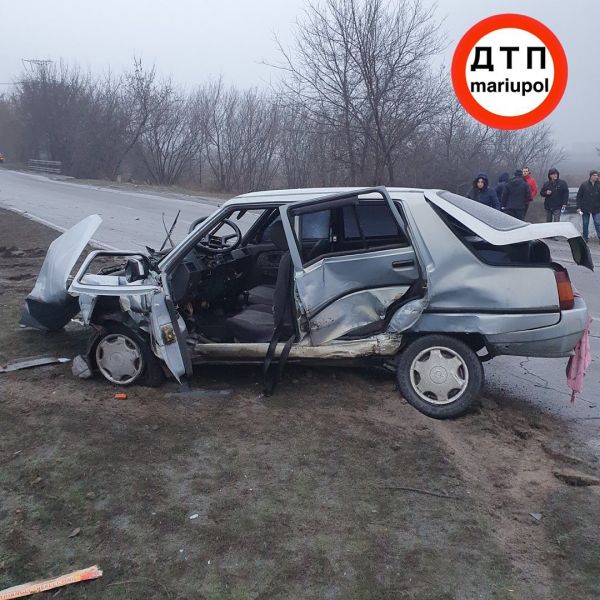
(588, 203)
(515, 196)
(530, 181)
(501, 183)
(482, 193)
(555, 193)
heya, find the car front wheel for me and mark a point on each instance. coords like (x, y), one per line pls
(439, 375)
(123, 357)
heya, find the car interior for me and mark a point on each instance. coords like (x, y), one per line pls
(236, 286)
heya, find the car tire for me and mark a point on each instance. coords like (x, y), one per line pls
(123, 357)
(439, 375)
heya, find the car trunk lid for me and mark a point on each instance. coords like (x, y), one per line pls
(500, 229)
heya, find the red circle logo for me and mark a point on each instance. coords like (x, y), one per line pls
(509, 71)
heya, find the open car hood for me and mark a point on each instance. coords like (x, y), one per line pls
(49, 306)
(500, 229)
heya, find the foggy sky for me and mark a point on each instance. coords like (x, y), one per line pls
(194, 40)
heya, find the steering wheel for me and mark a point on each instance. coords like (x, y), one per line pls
(236, 236)
(196, 223)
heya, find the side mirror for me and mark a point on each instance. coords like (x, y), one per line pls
(135, 270)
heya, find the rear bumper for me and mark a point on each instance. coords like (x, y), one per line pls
(552, 341)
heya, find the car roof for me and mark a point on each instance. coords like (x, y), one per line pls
(300, 194)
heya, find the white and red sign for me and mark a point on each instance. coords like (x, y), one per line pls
(509, 71)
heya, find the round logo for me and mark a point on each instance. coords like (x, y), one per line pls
(509, 71)
(438, 375)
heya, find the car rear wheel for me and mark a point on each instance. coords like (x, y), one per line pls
(123, 357)
(439, 375)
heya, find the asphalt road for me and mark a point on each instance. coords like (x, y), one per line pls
(133, 219)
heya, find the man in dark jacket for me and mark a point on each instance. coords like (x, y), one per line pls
(515, 196)
(501, 184)
(481, 192)
(588, 203)
(555, 193)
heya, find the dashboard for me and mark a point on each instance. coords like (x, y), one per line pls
(209, 277)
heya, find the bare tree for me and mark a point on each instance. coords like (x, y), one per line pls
(171, 137)
(241, 136)
(12, 132)
(137, 101)
(359, 103)
(363, 68)
(89, 124)
(534, 147)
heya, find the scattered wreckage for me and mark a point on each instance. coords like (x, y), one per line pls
(424, 281)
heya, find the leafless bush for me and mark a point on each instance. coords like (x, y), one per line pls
(89, 124)
(172, 137)
(240, 130)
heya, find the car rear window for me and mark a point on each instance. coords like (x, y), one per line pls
(490, 216)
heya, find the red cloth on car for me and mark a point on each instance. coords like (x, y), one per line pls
(579, 362)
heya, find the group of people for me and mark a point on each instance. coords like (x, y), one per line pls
(513, 195)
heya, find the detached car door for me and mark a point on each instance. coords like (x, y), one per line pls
(353, 263)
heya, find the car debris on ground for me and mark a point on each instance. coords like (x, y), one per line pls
(536, 515)
(198, 394)
(32, 361)
(81, 368)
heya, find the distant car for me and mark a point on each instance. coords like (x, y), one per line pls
(2, 158)
(423, 281)
(571, 206)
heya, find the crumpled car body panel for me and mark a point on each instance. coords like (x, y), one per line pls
(49, 306)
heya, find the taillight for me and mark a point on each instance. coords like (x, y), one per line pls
(566, 299)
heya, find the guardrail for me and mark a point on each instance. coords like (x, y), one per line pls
(47, 166)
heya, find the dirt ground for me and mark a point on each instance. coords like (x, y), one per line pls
(333, 488)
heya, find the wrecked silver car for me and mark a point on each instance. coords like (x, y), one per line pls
(424, 281)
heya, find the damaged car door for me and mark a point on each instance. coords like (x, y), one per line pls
(354, 265)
